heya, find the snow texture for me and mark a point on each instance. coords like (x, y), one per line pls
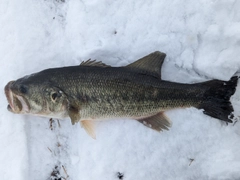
(202, 42)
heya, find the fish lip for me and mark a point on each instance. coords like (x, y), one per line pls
(9, 95)
(17, 103)
(24, 104)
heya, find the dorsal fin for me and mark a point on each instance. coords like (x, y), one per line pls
(93, 63)
(151, 63)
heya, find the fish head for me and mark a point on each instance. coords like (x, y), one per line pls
(42, 98)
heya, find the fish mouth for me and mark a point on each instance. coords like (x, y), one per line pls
(17, 103)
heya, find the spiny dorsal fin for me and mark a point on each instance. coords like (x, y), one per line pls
(157, 122)
(151, 63)
(89, 128)
(90, 62)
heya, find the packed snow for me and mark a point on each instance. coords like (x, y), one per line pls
(202, 42)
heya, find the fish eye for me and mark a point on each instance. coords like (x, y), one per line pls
(54, 96)
(23, 89)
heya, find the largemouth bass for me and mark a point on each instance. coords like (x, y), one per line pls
(95, 91)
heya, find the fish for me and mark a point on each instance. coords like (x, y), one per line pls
(94, 91)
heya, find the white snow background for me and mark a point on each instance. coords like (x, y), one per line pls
(202, 42)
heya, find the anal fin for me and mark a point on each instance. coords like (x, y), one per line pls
(89, 128)
(157, 122)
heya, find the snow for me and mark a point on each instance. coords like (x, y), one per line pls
(202, 42)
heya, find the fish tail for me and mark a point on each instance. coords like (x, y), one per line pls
(216, 102)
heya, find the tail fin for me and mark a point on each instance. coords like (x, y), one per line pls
(217, 99)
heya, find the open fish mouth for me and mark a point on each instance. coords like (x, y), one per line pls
(17, 103)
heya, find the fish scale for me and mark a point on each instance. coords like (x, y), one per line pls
(110, 93)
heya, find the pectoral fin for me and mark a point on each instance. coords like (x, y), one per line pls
(74, 114)
(157, 122)
(89, 128)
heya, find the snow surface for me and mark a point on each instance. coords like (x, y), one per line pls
(201, 40)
